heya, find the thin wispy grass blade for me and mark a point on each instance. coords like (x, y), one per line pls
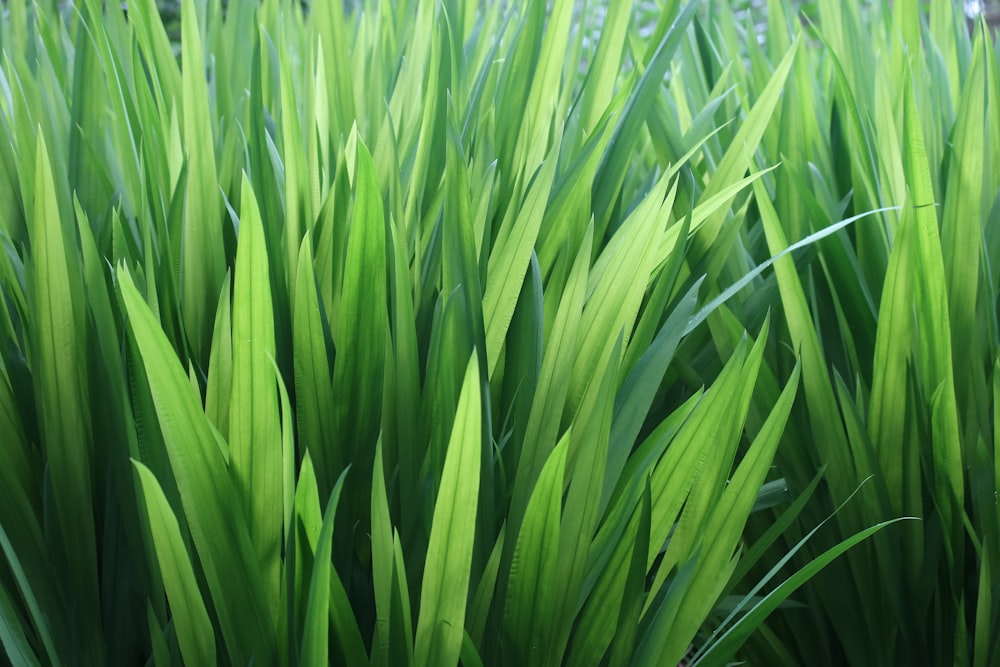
(724, 648)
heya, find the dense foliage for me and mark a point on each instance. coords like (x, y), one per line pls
(421, 332)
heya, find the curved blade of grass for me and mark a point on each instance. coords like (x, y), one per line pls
(707, 208)
(734, 289)
(479, 608)
(723, 649)
(752, 555)
(738, 157)
(403, 416)
(611, 173)
(633, 595)
(195, 634)
(544, 85)
(401, 621)
(287, 621)
(531, 588)
(544, 421)
(219, 387)
(331, 25)
(155, 43)
(469, 655)
(723, 528)
(964, 212)
(509, 260)
(309, 520)
(710, 475)
(159, 649)
(831, 439)
(607, 599)
(981, 632)
(209, 499)
(587, 460)
(617, 285)
(313, 389)
(287, 455)
(298, 201)
(659, 621)
(382, 561)
(15, 643)
(638, 391)
(604, 70)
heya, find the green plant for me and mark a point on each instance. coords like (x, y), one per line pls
(894, 326)
(388, 336)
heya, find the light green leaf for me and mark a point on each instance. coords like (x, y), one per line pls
(362, 329)
(528, 609)
(202, 261)
(58, 361)
(254, 425)
(315, 640)
(195, 634)
(445, 588)
(725, 524)
(509, 259)
(738, 157)
(209, 498)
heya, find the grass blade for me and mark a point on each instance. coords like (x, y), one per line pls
(254, 425)
(195, 634)
(217, 522)
(315, 641)
(445, 589)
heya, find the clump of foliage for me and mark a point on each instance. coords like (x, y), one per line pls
(895, 325)
(394, 336)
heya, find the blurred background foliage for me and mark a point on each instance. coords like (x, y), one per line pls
(749, 12)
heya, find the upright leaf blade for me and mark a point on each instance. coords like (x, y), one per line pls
(59, 363)
(217, 522)
(315, 641)
(531, 592)
(445, 588)
(202, 261)
(254, 424)
(195, 634)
